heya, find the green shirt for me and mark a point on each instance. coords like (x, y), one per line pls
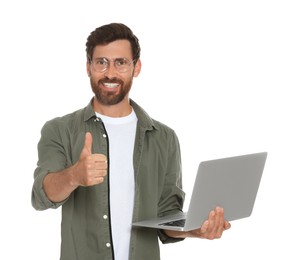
(86, 229)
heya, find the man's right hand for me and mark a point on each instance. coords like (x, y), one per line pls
(91, 169)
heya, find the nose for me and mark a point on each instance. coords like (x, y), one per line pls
(111, 71)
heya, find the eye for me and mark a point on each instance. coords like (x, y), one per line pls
(121, 62)
(101, 62)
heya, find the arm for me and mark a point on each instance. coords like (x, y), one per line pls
(210, 229)
(172, 196)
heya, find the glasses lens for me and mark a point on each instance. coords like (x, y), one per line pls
(100, 64)
(122, 64)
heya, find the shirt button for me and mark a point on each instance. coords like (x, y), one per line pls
(105, 217)
(104, 135)
(108, 245)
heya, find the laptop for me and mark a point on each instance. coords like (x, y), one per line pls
(231, 183)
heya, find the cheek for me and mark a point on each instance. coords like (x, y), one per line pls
(95, 76)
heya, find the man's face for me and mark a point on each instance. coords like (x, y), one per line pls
(112, 85)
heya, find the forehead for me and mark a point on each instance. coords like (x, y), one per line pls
(115, 49)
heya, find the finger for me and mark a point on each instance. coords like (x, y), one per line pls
(221, 223)
(99, 158)
(204, 227)
(100, 173)
(227, 225)
(94, 181)
(87, 149)
(98, 180)
(219, 219)
(95, 177)
(207, 226)
(211, 220)
(213, 223)
(100, 166)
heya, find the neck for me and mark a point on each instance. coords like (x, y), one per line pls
(119, 110)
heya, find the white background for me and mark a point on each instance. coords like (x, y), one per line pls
(215, 71)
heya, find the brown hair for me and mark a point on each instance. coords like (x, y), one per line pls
(109, 33)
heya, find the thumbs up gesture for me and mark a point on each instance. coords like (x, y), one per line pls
(91, 169)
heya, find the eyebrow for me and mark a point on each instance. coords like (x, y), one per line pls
(111, 59)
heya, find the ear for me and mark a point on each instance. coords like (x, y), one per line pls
(137, 68)
(88, 68)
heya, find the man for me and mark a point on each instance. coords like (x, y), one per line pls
(110, 164)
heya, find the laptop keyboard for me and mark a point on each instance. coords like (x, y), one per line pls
(177, 223)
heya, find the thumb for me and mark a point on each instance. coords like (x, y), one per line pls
(87, 149)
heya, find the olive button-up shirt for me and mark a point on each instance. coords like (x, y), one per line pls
(86, 228)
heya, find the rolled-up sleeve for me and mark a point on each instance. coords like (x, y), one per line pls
(51, 158)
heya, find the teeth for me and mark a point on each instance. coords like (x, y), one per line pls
(111, 85)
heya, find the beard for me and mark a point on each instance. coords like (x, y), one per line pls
(109, 97)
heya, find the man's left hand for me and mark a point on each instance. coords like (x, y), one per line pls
(212, 228)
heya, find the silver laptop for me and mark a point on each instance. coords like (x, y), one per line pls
(231, 183)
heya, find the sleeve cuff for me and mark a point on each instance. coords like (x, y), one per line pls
(40, 200)
(165, 239)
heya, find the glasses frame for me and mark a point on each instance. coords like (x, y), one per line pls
(108, 64)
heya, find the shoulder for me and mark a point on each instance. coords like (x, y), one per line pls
(72, 120)
(149, 123)
(64, 125)
(162, 127)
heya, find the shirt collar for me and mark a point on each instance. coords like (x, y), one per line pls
(144, 119)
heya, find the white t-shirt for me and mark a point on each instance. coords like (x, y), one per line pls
(121, 133)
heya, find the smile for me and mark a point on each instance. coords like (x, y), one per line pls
(111, 85)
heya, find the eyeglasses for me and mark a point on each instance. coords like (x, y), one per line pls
(102, 64)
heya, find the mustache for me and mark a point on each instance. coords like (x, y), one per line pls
(113, 80)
